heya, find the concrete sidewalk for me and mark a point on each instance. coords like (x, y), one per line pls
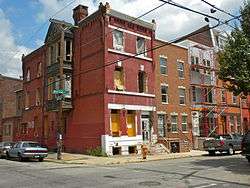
(92, 160)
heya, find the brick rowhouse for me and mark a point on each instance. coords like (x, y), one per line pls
(172, 96)
(113, 90)
(8, 87)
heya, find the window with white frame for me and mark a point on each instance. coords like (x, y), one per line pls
(67, 85)
(180, 68)
(174, 123)
(68, 50)
(118, 40)
(193, 93)
(182, 95)
(163, 66)
(223, 95)
(161, 124)
(184, 123)
(164, 94)
(141, 46)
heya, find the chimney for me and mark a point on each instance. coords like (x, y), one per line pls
(80, 12)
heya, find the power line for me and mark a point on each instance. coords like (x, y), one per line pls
(179, 39)
(219, 9)
(144, 14)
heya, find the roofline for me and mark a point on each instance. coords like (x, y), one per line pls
(10, 78)
(34, 51)
(174, 44)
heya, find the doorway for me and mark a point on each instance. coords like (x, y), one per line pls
(146, 133)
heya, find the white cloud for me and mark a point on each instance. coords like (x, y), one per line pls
(10, 52)
(171, 22)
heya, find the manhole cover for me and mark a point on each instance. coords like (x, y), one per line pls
(150, 183)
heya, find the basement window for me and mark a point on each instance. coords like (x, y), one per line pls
(115, 123)
(142, 82)
(119, 79)
(132, 149)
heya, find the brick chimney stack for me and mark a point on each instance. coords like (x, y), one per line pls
(80, 12)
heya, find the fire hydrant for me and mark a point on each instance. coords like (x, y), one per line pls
(144, 151)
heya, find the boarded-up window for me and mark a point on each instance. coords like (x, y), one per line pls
(68, 50)
(28, 75)
(131, 130)
(141, 46)
(67, 86)
(38, 97)
(119, 79)
(142, 82)
(115, 123)
(39, 70)
(118, 40)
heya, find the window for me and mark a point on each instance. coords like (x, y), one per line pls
(161, 124)
(38, 97)
(174, 123)
(234, 97)
(141, 46)
(27, 102)
(7, 130)
(232, 123)
(52, 55)
(182, 96)
(184, 123)
(197, 60)
(118, 40)
(238, 124)
(142, 82)
(130, 119)
(50, 88)
(193, 94)
(163, 66)
(28, 75)
(180, 68)
(67, 86)
(39, 70)
(164, 94)
(192, 60)
(115, 123)
(208, 95)
(119, 79)
(68, 50)
(223, 95)
(19, 106)
(58, 49)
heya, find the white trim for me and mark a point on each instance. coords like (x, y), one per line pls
(130, 32)
(181, 61)
(164, 102)
(174, 114)
(161, 112)
(130, 54)
(181, 87)
(163, 56)
(184, 114)
(164, 84)
(131, 107)
(131, 93)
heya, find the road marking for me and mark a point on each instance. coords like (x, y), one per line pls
(203, 186)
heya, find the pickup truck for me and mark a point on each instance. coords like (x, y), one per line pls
(245, 146)
(223, 143)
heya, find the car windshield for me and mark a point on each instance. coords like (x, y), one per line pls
(8, 144)
(31, 144)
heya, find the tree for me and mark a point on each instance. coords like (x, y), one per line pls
(234, 60)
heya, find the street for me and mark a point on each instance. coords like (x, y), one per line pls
(197, 172)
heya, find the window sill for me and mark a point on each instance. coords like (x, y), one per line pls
(184, 131)
(164, 103)
(174, 132)
(182, 104)
(129, 54)
(164, 75)
(131, 93)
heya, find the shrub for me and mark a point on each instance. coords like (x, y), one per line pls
(96, 152)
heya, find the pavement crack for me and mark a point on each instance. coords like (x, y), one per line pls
(188, 175)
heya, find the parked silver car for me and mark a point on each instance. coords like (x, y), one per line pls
(27, 150)
(4, 147)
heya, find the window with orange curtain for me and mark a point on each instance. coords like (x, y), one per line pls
(119, 79)
(115, 123)
(131, 130)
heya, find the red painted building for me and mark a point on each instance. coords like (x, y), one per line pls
(113, 89)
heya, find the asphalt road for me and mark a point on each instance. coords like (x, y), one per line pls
(198, 172)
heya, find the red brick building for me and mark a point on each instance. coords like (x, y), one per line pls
(113, 90)
(8, 103)
(172, 96)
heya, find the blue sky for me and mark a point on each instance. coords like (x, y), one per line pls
(24, 23)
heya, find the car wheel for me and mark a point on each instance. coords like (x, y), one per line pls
(211, 153)
(231, 150)
(20, 159)
(40, 159)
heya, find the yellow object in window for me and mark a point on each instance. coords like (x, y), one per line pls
(131, 125)
(115, 123)
(118, 80)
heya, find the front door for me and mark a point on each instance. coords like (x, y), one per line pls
(145, 129)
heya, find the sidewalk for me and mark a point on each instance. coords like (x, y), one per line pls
(92, 160)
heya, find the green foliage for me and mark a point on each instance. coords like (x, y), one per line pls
(96, 152)
(234, 60)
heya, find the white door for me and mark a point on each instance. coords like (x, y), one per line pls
(145, 129)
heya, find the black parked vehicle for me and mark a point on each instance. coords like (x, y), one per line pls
(245, 146)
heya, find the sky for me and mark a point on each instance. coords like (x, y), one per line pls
(24, 23)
